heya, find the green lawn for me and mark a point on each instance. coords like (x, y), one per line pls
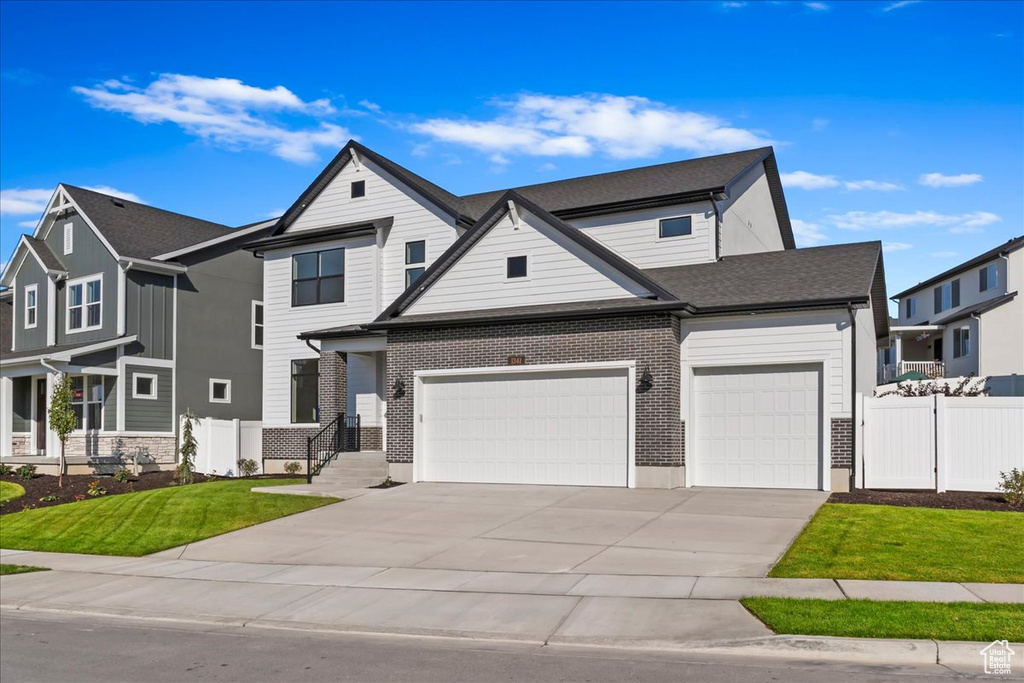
(19, 569)
(907, 544)
(9, 491)
(149, 521)
(974, 621)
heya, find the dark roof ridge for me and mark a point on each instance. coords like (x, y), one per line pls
(1009, 245)
(149, 207)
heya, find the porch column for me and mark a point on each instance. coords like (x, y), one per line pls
(333, 385)
(6, 417)
(899, 352)
(52, 442)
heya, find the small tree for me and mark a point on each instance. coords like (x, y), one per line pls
(188, 449)
(62, 419)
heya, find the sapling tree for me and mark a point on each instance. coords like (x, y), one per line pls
(62, 419)
(188, 449)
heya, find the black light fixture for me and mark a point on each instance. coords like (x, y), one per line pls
(399, 388)
(646, 381)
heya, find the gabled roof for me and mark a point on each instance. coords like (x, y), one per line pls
(44, 254)
(1004, 248)
(486, 222)
(976, 309)
(136, 230)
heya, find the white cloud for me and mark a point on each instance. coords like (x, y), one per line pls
(941, 180)
(583, 125)
(901, 3)
(18, 201)
(807, 234)
(809, 181)
(547, 167)
(372, 106)
(114, 192)
(820, 124)
(877, 185)
(27, 224)
(896, 246)
(225, 111)
(733, 5)
(498, 158)
(816, 6)
(881, 220)
(943, 254)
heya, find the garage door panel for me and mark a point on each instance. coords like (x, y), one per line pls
(758, 426)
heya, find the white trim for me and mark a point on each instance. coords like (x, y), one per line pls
(628, 365)
(34, 288)
(51, 309)
(227, 383)
(122, 304)
(7, 417)
(151, 362)
(529, 268)
(67, 354)
(135, 386)
(658, 237)
(86, 370)
(253, 323)
(69, 237)
(72, 205)
(19, 257)
(152, 266)
(120, 388)
(83, 282)
(14, 314)
(235, 233)
(174, 362)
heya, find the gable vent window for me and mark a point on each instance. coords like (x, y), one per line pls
(947, 296)
(85, 304)
(415, 261)
(358, 189)
(31, 306)
(318, 277)
(988, 278)
(674, 227)
(69, 238)
(516, 267)
(220, 391)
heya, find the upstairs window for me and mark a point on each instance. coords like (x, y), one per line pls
(987, 278)
(31, 306)
(911, 307)
(358, 189)
(69, 238)
(305, 390)
(947, 296)
(318, 277)
(674, 227)
(961, 342)
(415, 261)
(257, 324)
(85, 304)
(516, 267)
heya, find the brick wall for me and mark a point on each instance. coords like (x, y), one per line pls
(284, 443)
(842, 442)
(371, 438)
(280, 443)
(652, 340)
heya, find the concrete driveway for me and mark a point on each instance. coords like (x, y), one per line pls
(536, 529)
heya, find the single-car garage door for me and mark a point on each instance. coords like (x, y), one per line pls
(545, 427)
(758, 426)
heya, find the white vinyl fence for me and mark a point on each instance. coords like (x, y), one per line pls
(222, 443)
(941, 443)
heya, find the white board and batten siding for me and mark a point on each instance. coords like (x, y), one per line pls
(558, 271)
(899, 443)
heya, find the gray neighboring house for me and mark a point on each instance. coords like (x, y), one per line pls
(151, 313)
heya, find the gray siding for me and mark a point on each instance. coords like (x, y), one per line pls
(30, 273)
(89, 257)
(105, 359)
(150, 313)
(148, 415)
(22, 404)
(109, 404)
(214, 333)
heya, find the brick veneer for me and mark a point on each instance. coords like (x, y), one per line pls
(371, 438)
(652, 340)
(842, 442)
(289, 443)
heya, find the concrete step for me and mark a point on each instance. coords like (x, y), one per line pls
(351, 482)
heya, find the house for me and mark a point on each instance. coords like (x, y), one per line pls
(151, 312)
(654, 327)
(966, 320)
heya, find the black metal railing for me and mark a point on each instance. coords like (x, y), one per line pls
(339, 436)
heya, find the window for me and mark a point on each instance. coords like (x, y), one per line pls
(987, 277)
(516, 267)
(318, 277)
(358, 189)
(947, 296)
(69, 238)
(87, 402)
(674, 227)
(961, 342)
(911, 307)
(257, 324)
(220, 391)
(144, 385)
(416, 256)
(85, 304)
(31, 305)
(305, 390)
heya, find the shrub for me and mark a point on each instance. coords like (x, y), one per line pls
(122, 475)
(968, 386)
(79, 496)
(26, 471)
(95, 489)
(1012, 486)
(6, 469)
(248, 467)
(292, 467)
(49, 499)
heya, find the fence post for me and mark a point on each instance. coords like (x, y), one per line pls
(236, 435)
(940, 443)
(858, 439)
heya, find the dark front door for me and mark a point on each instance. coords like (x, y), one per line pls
(41, 415)
(937, 349)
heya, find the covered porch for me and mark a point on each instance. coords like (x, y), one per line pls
(913, 349)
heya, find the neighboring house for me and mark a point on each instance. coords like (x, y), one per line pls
(966, 320)
(151, 313)
(653, 327)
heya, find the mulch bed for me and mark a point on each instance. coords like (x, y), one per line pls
(78, 485)
(950, 500)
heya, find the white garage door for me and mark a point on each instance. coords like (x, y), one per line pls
(552, 427)
(758, 426)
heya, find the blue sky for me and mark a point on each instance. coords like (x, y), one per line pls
(898, 121)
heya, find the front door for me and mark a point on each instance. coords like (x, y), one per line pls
(937, 349)
(41, 416)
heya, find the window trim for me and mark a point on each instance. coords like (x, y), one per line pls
(518, 278)
(319, 278)
(135, 386)
(954, 295)
(83, 281)
(911, 308)
(352, 187)
(983, 277)
(291, 390)
(414, 265)
(661, 227)
(227, 384)
(34, 289)
(85, 403)
(961, 339)
(254, 324)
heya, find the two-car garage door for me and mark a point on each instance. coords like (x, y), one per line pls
(550, 427)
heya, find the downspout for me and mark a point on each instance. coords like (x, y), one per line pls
(978, 318)
(853, 397)
(718, 227)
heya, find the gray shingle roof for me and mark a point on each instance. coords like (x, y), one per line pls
(981, 307)
(6, 325)
(1008, 246)
(46, 255)
(140, 231)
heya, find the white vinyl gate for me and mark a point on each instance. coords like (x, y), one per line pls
(941, 443)
(222, 443)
